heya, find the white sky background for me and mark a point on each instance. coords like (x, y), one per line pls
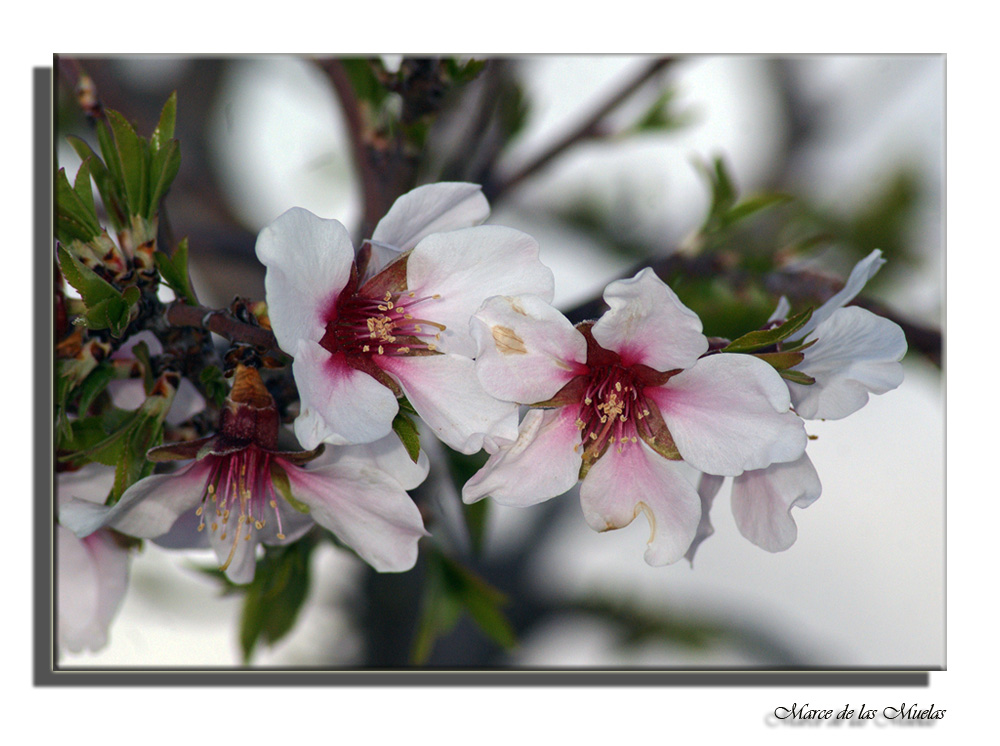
(869, 561)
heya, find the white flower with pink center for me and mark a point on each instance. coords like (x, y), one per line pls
(853, 353)
(619, 402)
(239, 491)
(363, 338)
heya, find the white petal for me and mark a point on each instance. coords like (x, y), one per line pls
(621, 485)
(76, 595)
(782, 310)
(433, 208)
(465, 267)
(763, 500)
(646, 323)
(147, 509)
(445, 392)
(730, 413)
(388, 454)
(91, 580)
(863, 271)
(526, 349)
(856, 353)
(539, 465)
(365, 508)
(708, 488)
(308, 262)
(338, 404)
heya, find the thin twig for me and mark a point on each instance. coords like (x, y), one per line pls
(220, 322)
(588, 128)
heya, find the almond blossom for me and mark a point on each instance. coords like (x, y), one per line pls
(619, 403)
(851, 353)
(240, 491)
(396, 321)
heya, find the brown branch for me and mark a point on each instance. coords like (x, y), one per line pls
(588, 128)
(799, 286)
(222, 323)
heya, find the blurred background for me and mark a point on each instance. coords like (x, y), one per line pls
(857, 141)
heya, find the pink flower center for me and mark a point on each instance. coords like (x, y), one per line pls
(613, 406)
(370, 327)
(240, 484)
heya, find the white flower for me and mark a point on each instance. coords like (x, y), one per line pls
(361, 338)
(624, 400)
(854, 353)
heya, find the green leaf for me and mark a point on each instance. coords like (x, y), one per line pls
(214, 384)
(165, 127)
(132, 158)
(81, 185)
(452, 589)
(761, 338)
(75, 219)
(174, 270)
(92, 288)
(408, 434)
(781, 360)
(163, 169)
(367, 86)
(275, 596)
(93, 385)
(279, 478)
(753, 205)
(102, 178)
(797, 376)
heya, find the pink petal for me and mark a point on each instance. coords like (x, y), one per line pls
(465, 267)
(147, 509)
(540, 464)
(763, 500)
(366, 509)
(526, 349)
(308, 262)
(729, 413)
(621, 485)
(445, 392)
(648, 324)
(338, 404)
(856, 353)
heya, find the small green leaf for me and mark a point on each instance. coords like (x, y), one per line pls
(753, 205)
(761, 338)
(797, 376)
(163, 168)
(131, 157)
(214, 384)
(279, 478)
(92, 288)
(781, 360)
(102, 178)
(174, 270)
(93, 385)
(408, 434)
(75, 219)
(165, 127)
